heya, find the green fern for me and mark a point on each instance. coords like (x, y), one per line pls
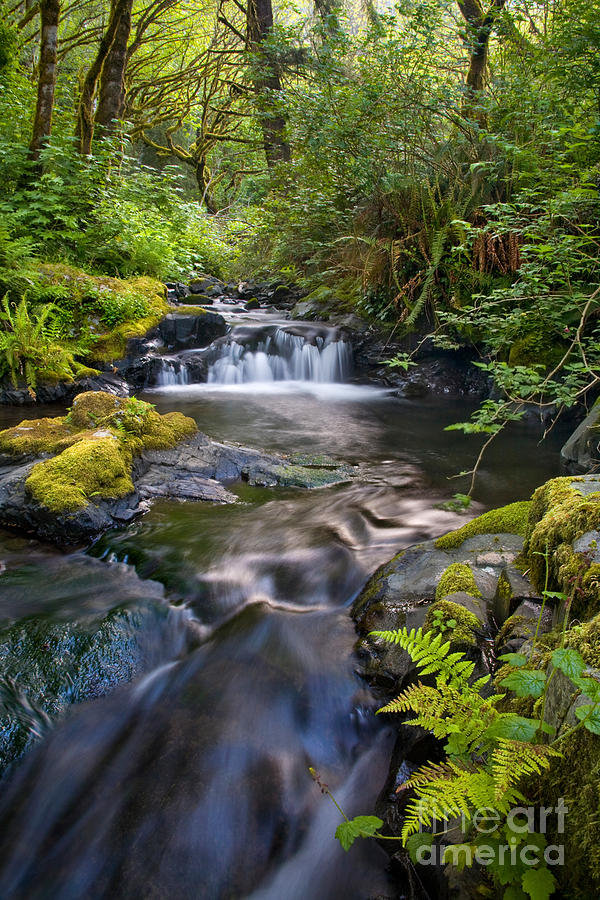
(30, 345)
(430, 655)
(486, 757)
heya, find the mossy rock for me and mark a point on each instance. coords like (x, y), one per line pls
(586, 639)
(112, 310)
(91, 408)
(37, 436)
(166, 431)
(93, 468)
(457, 577)
(535, 350)
(457, 624)
(510, 519)
(93, 463)
(562, 511)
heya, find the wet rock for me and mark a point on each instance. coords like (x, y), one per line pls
(207, 284)
(253, 303)
(187, 332)
(64, 392)
(581, 453)
(69, 642)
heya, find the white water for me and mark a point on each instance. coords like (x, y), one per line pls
(173, 372)
(282, 356)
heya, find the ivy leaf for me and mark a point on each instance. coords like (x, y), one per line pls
(414, 843)
(589, 714)
(360, 826)
(539, 883)
(514, 659)
(525, 682)
(569, 661)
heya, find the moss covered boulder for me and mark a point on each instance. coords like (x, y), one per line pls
(69, 479)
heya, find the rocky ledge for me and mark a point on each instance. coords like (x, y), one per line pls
(69, 479)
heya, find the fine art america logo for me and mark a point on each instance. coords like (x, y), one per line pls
(499, 841)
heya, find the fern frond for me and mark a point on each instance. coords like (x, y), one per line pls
(513, 760)
(429, 654)
(451, 789)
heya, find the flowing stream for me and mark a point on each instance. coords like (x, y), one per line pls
(183, 771)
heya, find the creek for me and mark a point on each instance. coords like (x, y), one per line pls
(181, 770)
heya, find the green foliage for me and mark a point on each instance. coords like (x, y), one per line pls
(360, 826)
(30, 347)
(490, 753)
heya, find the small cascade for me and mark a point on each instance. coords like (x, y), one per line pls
(172, 372)
(281, 355)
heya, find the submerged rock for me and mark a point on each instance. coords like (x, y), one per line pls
(72, 629)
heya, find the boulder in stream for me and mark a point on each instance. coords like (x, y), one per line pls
(70, 479)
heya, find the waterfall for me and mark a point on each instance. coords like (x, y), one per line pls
(172, 372)
(281, 355)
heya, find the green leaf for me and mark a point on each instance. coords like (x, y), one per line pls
(569, 661)
(589, 714)
(515, 728)
(539, 883)
(525, 682)
(514, 659)
(589, 686)
(360, 826)
(414, 843)
(514, 892)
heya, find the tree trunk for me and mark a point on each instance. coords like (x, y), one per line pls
(111, 101)
(480, 23)
(203, 181)
(42, 125)
(85, 110)
(267, 83)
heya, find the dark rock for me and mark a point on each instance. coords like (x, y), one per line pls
(253, 303)
(196, 363)
(206, 284)
(581, 453)
(188, 332)
(64, 392)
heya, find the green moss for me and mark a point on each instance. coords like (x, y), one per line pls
(93, 407)
(586, 639)
(35, 436)
(535, 350)
(466, 625)
(92, 468)
(457, 577)
(163, 432)
(187, 310)
(510, 519)
(559, 515)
